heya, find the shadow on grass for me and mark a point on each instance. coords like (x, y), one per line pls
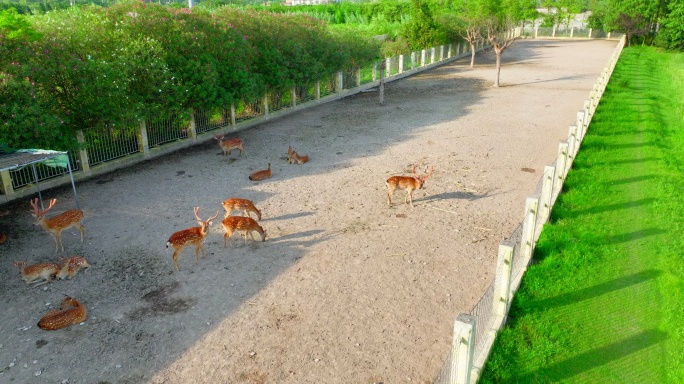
(629, 180)
(596, 290)
(632, 236)
(611, 207)
(594, 358)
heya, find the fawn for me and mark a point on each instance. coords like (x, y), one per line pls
(260, 175)
(34, 273)
(55, 225)
(409, 183)
(293, 157)
(194, 236)
(240, 223)
(228, 145)
(70, 312)
(70, 266)
(244, 205)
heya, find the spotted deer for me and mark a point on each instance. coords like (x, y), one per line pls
(246, 225)
(191, 236)
(261, 175)
(294, 158)
(36, 272)
(70, 312)
(227, 145)
(55, 225)
(70, 266)
(408, 183)
(244, 205)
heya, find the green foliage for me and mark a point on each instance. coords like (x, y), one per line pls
(422, 31)
(671, 35)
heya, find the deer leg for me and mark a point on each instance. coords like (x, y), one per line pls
(410, 197)
(197, 249)
(58, 240)
(81, 228)
(175, 258)
(389, 195)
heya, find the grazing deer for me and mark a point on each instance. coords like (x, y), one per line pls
(70, 312)
(36, 272)
(409, 183)
(55, 225)
(240, 223)
(244, 205)
(191, 236)
(260, 175)
(70, 266)
(293, 157)
(228, 145)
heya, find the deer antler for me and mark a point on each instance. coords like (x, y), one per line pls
(36, 211)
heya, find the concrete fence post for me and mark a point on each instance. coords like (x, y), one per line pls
(450, 52)
(388, 67)
(590, 31)
(192, 130)
(536, 32)
(264, 103)
(358, 77)
(529, 229)
(318, 90)
(6, 183)
(553, 31)
(401, 63)
(433, 51)
(572, 147)
(413, 60)
(581, 128)
(441, 52)
(462, 349)
(339, 84)
(545, 199)
(572, 31)
(587, 114)
(423, 54)
(233, 120)
(559, 175)
(502, 285)
(83, 152)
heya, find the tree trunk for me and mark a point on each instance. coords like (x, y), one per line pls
(472, 55)
(498, 66)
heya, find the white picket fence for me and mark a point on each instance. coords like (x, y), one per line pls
(474, 332)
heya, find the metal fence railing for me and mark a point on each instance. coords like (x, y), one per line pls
(25, 176)
(111, 142)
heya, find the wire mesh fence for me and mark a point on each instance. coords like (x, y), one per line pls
(112, 142)
(25, 176)
(394, 66)
(483, 311)
(165, 129)
(245, 110)
(368, 74)
(328, 85)
(279, 99)
(349, 79)
(210, 119)
(304, 93)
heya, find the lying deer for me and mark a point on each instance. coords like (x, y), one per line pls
(228, 145)
(191, 236)
(55, 225)
(260, 175)
(70, 312)
(244, 205)
(409, 183)
(244, 224)
(70, 266)
(36, 272)
(293, 157)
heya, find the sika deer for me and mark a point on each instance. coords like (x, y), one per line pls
(228, 145)
(293, 157)
(70, 266)
(240, 223)
(70, 312)
(191, 236)
(409, 183)
(244, 205)
(260, 175)
(55, 225)
(34, 273)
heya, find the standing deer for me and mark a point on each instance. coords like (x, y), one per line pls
(228, 145)
(55, 225)
(244, 205)
(244, 224)
(191, 236)
(409, 183)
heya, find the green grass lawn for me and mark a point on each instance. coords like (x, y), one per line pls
(604, 300)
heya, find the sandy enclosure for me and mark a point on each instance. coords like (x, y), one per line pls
(344, 289)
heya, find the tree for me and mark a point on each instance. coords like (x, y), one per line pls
(500, 36)
(632, 26)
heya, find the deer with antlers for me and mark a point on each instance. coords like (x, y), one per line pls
(55, 225)
(408, 183)
(191, 236)
(228, 145)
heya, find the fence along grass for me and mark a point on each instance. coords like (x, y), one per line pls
(474, 332)
(111, 147)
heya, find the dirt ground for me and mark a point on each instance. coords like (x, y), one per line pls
(344, 289)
